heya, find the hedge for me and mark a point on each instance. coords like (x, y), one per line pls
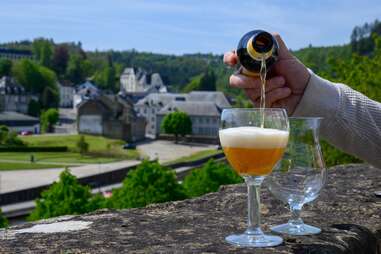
(34, 149)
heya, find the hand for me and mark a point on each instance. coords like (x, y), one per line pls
(285, 84)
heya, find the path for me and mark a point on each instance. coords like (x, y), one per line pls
(23, 179)
(167, 151)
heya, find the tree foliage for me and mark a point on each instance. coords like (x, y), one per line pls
(148, 183)
(34, 108)
(43, 51)
(9, 138)
(64, 197)
(48, 119)
(60, 60)
(38, 80)
(5, 67)
(177, 123)
(209, 178)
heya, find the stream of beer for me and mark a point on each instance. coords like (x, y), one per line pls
(262, 103)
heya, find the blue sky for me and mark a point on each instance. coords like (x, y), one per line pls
(182, 26)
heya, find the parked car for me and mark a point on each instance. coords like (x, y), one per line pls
(129, 146)
(26, 133)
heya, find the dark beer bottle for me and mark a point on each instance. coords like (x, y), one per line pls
(255, 46)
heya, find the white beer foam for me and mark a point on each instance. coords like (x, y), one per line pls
(253, 137)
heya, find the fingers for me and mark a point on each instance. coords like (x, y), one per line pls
(284, 53)
(274, 98)
(230, 58)
(242, 81)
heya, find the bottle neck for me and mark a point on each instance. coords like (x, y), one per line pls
(255, 54)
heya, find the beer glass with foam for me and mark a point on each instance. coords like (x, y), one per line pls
(253, 147)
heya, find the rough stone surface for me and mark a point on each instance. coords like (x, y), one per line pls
(347, 210)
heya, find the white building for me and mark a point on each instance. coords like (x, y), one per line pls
(66, 94)
(83, 92)
(153, 103)
(205, 116)
(138, 81)
(13, 96)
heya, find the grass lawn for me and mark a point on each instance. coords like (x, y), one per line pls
(196, 156)
(16, 166)
(101, 150)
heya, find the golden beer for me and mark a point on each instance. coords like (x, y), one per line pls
(253, 151)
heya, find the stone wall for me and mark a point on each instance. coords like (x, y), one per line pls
(348, 211)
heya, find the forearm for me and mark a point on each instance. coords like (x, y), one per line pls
(352, 122)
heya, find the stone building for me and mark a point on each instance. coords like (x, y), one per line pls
(205, 116)
(67, 91)
(137, 83)
(13, 96)
(150, 105)
(153, 103)
(110, 116)
(15, 54)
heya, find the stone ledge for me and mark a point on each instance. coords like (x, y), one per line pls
(347, 211)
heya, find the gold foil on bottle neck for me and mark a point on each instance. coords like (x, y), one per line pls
(256, 55)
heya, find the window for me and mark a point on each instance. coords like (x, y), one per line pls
(207, 120)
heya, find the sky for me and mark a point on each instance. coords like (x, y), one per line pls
(183, 26)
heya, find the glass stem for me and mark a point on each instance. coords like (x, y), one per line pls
(254, 205)
(296, 209)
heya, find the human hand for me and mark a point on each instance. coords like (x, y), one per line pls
(285, 84)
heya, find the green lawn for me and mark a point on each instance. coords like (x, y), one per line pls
(101, 150)
(16, 166)
(196, 156)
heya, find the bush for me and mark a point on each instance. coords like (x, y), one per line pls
(209, 178)
(148, 183)
(82, 145)
(64, 197)
(3, 221)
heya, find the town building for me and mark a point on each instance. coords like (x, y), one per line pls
(13, 96)
(67, 91)
(84, 92)
(152, 104)
(205, 116)
(15, 54)
(20, 122)
(137, 83)
(110, 116)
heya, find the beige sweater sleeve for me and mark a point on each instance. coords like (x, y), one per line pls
(352, 121)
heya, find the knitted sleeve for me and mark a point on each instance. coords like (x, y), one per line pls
(352, 121)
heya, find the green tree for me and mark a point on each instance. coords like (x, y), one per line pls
(78, 68)
(3, 221)
(60, 59)
(148, 183)
(66, 196)
(209, 178)
(208, 81)
(177, 123)
(37, 79)
(34, 108)
(43, 51)
(82, 145)
(5, 67)
(48, 119)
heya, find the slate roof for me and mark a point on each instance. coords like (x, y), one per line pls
(192, 108)
(11, 118)
(163, 98)
(216, 97)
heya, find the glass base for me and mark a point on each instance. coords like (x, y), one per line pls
(246, 240)
(292, 229)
